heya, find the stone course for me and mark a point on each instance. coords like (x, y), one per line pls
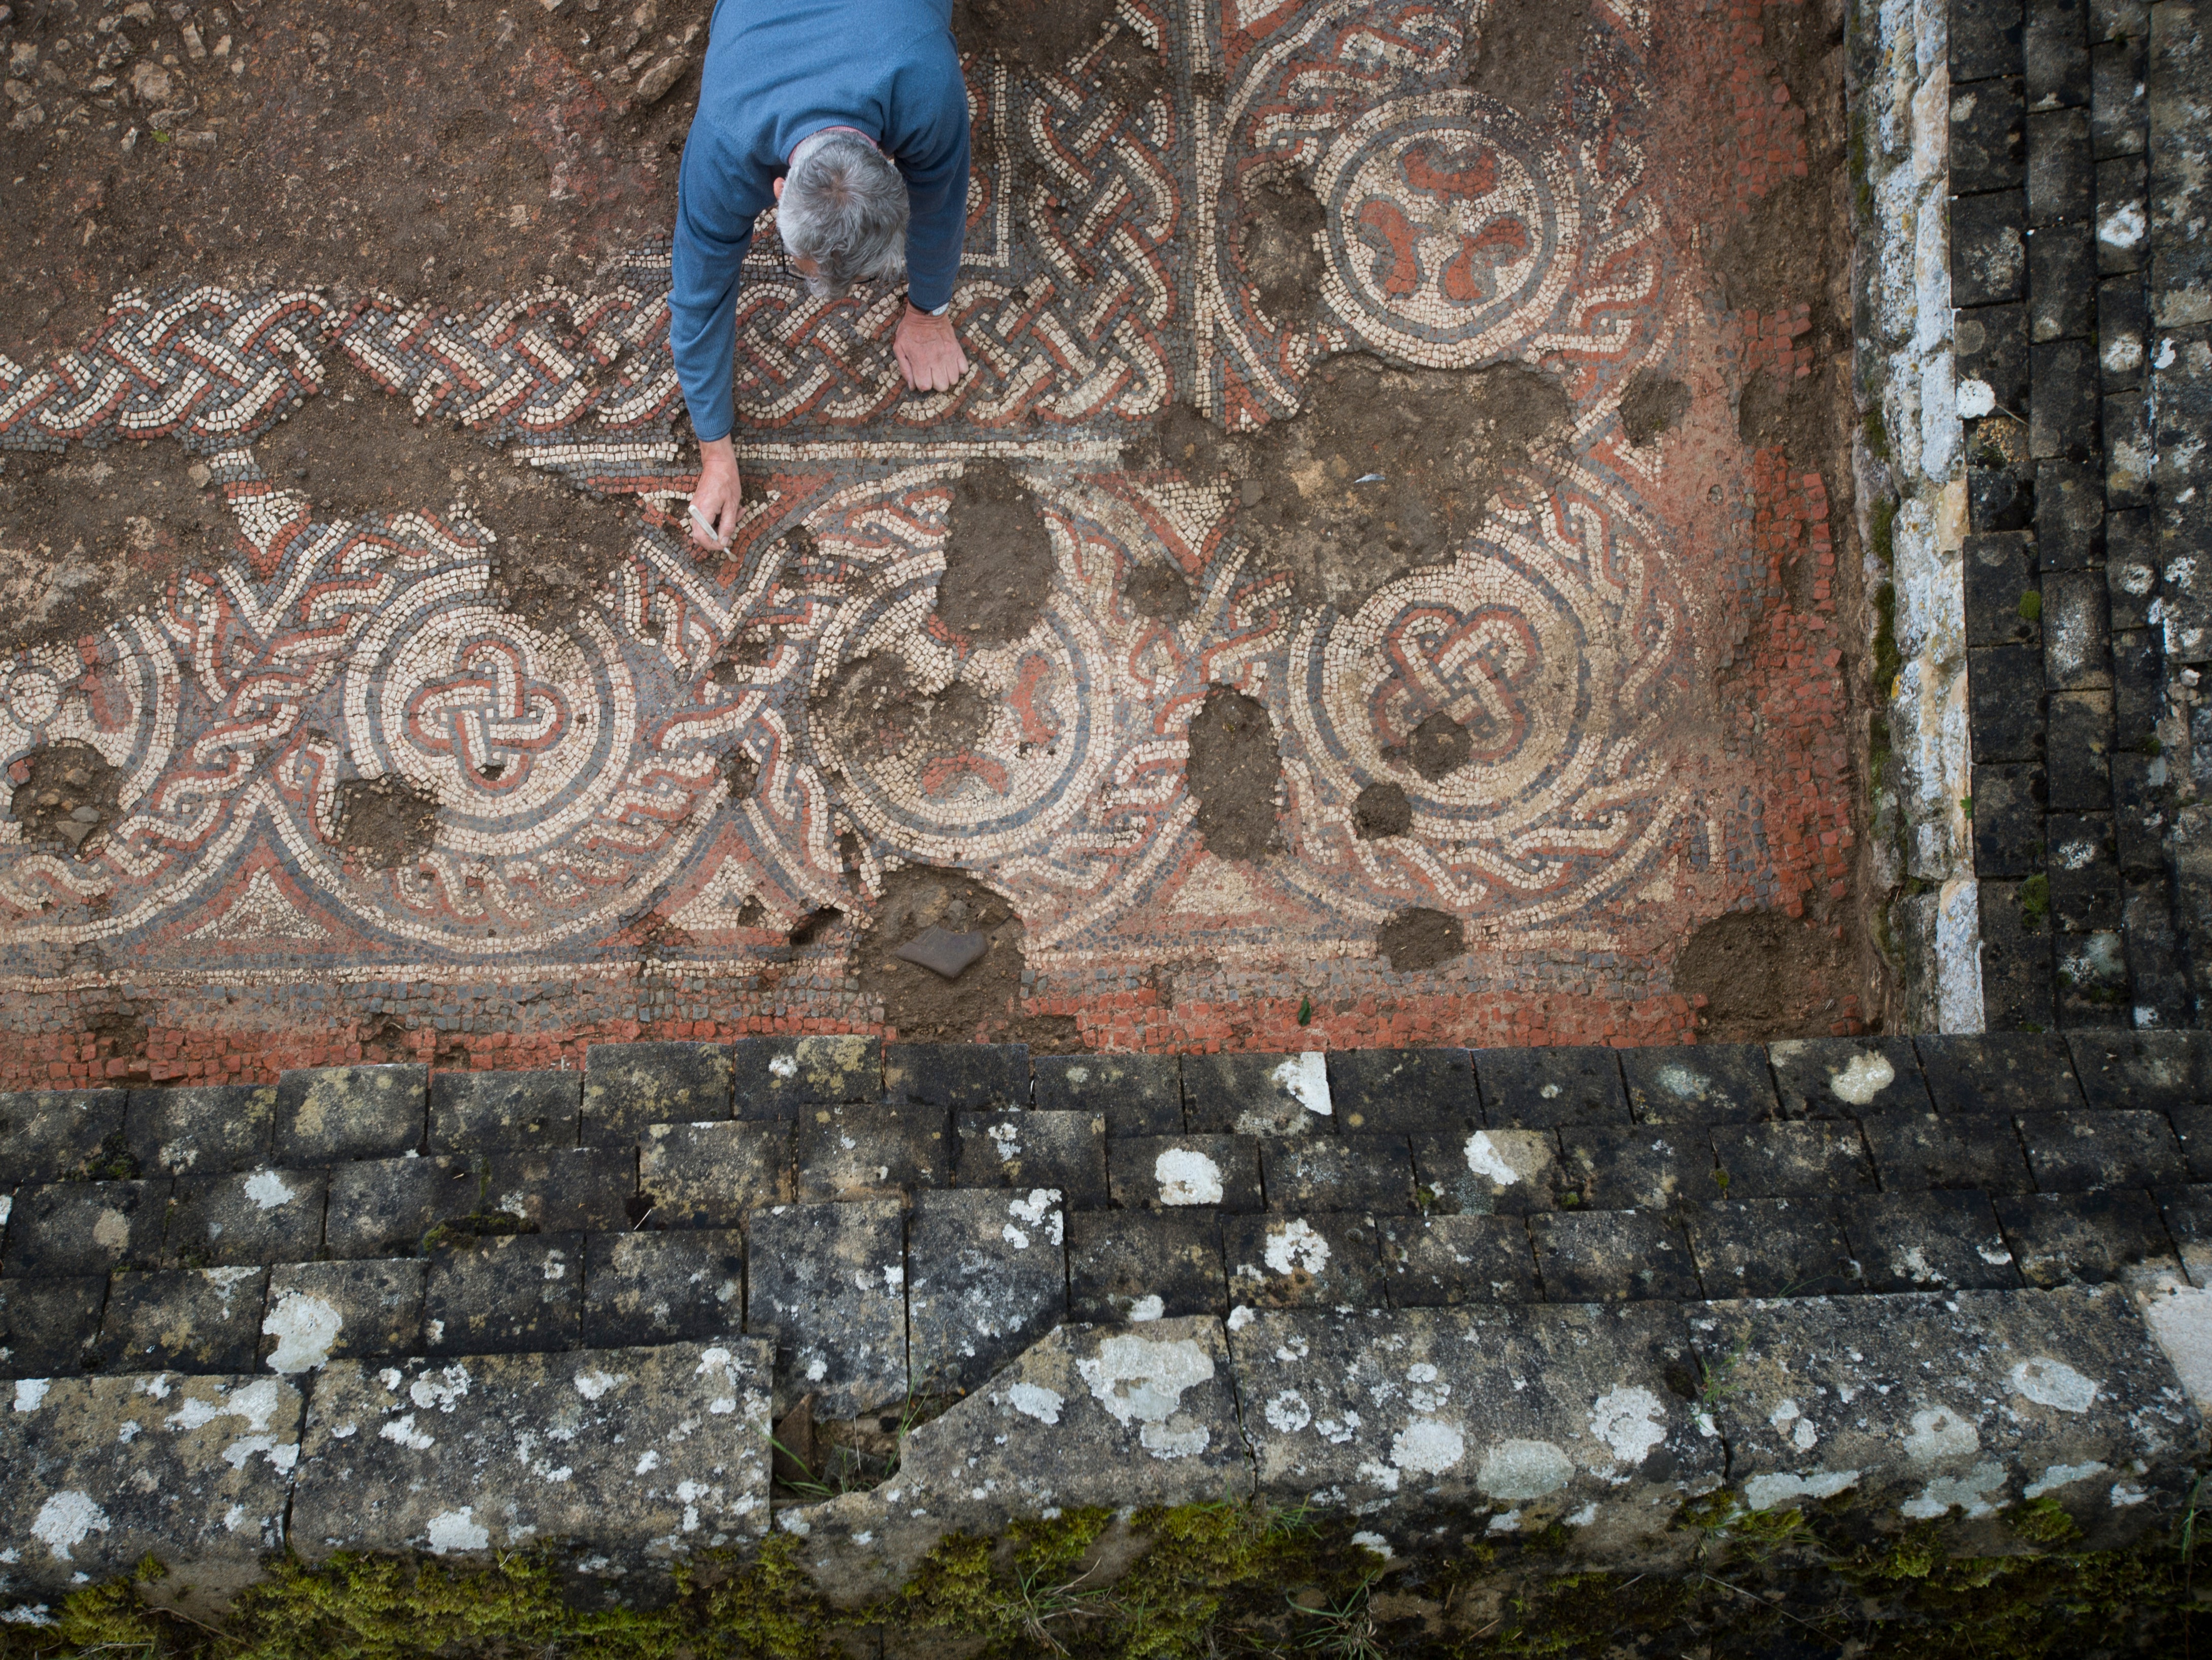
(1936, 1279)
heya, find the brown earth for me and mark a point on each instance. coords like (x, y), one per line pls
(873, 713)
(385, 822)
(1283, 217)
(984, 1003)
(1043, 37)
(997, 558)
(1384, 472)
(1523, 50)
(1155, 588)
(1234, 773)
(1381, 810)
(1418, 939)
(421, 147)
(65, 796)
(1764, 975)
(91, 535)
(1652, 405)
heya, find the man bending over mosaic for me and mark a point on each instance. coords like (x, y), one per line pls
(851, 117)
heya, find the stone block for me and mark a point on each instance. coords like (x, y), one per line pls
(1771, 1248)
(1065, 1150)
(2123, 215)
(2158, 988)
(1792, 1160)
(1179, 1172)
(1541, 1088)
(778, 1077)
(2187, 1213)
(985, 1278)
(2151, 1071)
(1257, 1094)
(2192, 1129)
(1999, 572)
(2117, 113)
(47, 1326)
(1135, 1094)
(1321, 1261)
(872, 1151)
(2062, 283)
(85, 1227)
(1988, 249)
(1649, 1167)
(2077, 754)
(1935, 1240)
(567, 1190)
(829, 1283)
(1373, 1174)
(2084, 871)
(58, 1135)
(2092, 970)
(683, 1287)
(259, 1216)
(2061, 175)
(1138, 1267)
(1999, 499)
(1984, 38)
(1404, 1092)
(2123, 326)
(330, 1113)
(2002, 1072)
(1537, 1416)
(1990, 344)
(1989, 137)
(1611, 1257)
(711, 1174)
(203, 1130)
(2005, 702)
(2084, 1238)
(2076, 649)
(2061, 407)
(647, 1454)
(1699, 1083)
(1957, 1150)
(319, 1312)
(628, 1086)
(1508, 1172)
(1441, 1262)
(190, 1320)
(2007, 821)
(1949, 1407)
(2055, 54)
(2073, 1152)
(504, 1294)
(2138, 701)
(2129, 450)
(2016, 990)
(503, 1111)
(958, 1076)
(104, 1472)
(1847, 1077)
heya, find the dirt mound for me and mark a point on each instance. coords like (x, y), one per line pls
(1523, 50)
(873, 714)
(385, 822)
(1765, 975)
(1383, 472)
(89, 536)
(1234, 773)
(997, 558)
(1417, 938)
(1652, 405)
(983, 1003)
(1381, 810)
(65, 796)
(1283, 217)
(1156, 588)
(1043, 36)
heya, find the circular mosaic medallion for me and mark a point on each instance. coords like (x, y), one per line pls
(1453, 229)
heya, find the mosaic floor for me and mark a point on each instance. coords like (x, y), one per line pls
(1636, 643)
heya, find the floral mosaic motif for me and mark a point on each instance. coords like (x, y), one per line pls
(582, 770)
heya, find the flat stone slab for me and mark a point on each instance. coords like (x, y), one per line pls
(1924, 1408)
(646, 1453)
(776, 1076)
(1525, 1415)
(829, 1281)
(104, 1471)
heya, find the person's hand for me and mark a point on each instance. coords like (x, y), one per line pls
(715, 497)
(928, 351)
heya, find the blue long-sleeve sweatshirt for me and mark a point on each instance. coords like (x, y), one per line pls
(778, 71)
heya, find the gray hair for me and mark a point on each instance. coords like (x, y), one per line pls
(844, 207)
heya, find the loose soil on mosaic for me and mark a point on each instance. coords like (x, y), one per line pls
(358, 450)
(1234, 773)
(873, 714)
(1764, 976)
(405, 145)
(1417, 938)
(88, 536)
(1282, 259)
(984, 1003)
(385, 822)
(1043, 37)
(997, 558)
(66, 795)
(1387, 471)
(1523, 50)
